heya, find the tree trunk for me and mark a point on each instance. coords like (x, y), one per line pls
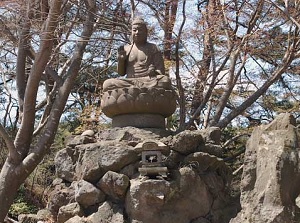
(21, 162)
(10, 180)
(169, 22)
(206, 61)
(202, 77)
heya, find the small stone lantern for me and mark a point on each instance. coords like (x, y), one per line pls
(152, 164)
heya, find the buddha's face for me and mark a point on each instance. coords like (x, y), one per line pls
(139, 33)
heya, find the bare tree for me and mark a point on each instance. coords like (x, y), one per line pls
(24, 152)
(241, 35)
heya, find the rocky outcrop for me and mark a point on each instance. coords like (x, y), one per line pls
(271, 175)
(99, 177)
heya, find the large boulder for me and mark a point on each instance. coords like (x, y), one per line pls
(271, 175)
(86, 194)
(65, 166)
(66, 159)
(98, 158)
(187, 142)
(77, 219)
(69, 211)
(178, 201)
(60, 196)
(204, 163)
(43, 215)
(107, 212)
(114, 185)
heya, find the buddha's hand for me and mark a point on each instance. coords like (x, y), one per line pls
(121, 53)
(151, 71)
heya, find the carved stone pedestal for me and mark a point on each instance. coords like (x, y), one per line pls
(139, 120)
(139, 107)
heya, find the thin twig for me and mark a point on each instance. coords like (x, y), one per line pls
(238, 170)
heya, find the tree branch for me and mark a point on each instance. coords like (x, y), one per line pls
(178, 79)
(59, 103)
(285, 12)
(288, 57)
(13, 155)
(24, 135)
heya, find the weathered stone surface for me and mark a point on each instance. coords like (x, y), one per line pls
(187, 142)
(211, 135)
(97, 158)
(27, 218)
(205, 162)
(79, 140)
(77, 219)
(44, 214)
(107, 212)
(60, 196)
(69, 211)
(86, 194)
(115, 185)
(271, 175)
(174, 160)
(88, 132)
(131, 134)
(131, 170)
(176, 201)
(212, 149)
(133, 100)
(200, 220)
(65, 167)
(139, 120)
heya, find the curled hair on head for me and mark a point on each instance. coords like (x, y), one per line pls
(139, 21)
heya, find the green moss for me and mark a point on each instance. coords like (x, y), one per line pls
(21, 205)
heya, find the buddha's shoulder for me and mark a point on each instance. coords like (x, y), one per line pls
(152, 46)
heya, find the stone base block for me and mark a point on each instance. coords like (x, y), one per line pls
(153, 171)
(139, 121)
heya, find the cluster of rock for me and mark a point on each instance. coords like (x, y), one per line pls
(98, 179)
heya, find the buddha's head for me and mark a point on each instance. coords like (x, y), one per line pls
(139, 31)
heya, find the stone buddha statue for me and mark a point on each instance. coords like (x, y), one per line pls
(140, 61)
(146, 90)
